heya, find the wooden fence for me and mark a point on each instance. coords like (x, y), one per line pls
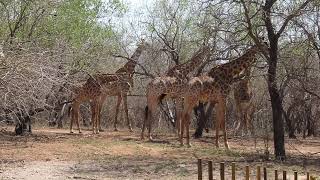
(260, 172)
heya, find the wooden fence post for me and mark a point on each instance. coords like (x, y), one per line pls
(247, 173)
(258, 173)
(275, 174)
(265, 176)
(210, 170)
(199, 169)
(308, 176)
(233, 171)
(222, 171)
(284, 175)
(295, 176)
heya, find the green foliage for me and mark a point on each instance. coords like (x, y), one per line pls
(77, 22)
(82, 25)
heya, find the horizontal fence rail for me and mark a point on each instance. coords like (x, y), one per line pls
(260, 171)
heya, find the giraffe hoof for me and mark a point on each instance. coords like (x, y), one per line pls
(116, 129)
(71, 132)
(101, 130)
(130, 130)
(80, 132)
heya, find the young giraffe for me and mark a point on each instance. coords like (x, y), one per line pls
(128, 70)
(92, 91)
(167, 86)
(214, 87)
(99, 86)
(243, 103)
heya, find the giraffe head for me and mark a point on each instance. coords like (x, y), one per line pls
(129, 67)
(260, 47)
(143, 45)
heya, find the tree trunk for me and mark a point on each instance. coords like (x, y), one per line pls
(287, 117)
(201, 121)
(202, 117)
(276, 101)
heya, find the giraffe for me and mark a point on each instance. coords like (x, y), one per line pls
(167, 86)
(99, 86)
(214, 87)
(243, 103)
(92, 91)
(128, 70)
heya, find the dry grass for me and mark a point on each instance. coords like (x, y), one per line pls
(57, 154)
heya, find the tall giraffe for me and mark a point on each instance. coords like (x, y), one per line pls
(244, 103)
(128, 70)
(214, 87)
(167, 86)
(99, 86)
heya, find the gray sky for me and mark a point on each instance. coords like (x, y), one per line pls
(137, 11)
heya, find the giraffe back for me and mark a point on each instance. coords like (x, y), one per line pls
(226, 73)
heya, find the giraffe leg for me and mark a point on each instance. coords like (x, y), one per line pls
(149, 109)
(187, 123)
(182, 123)
(179, 109)
(99, 107)
(101, 102)
(125, 104)
(217, 124)
(94, 115)
(98, 111)
(72, 119)
(250, 122)
(146, 114)
(183, 119)
(238, 119)
(77, 119)
(245, 116)
(92, 106)
(221, 111)
(150, 118)
(97, 119)
(98, 126)
(151, 113)
(117, 112)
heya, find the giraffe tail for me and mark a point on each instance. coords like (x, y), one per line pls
(146, 110)
(69, 110)
(161, 97)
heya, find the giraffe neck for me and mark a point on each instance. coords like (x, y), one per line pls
(233, 69)
(244, 93)
(131, 64)
(187, 67)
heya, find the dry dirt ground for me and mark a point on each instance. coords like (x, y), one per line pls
(56, 154)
